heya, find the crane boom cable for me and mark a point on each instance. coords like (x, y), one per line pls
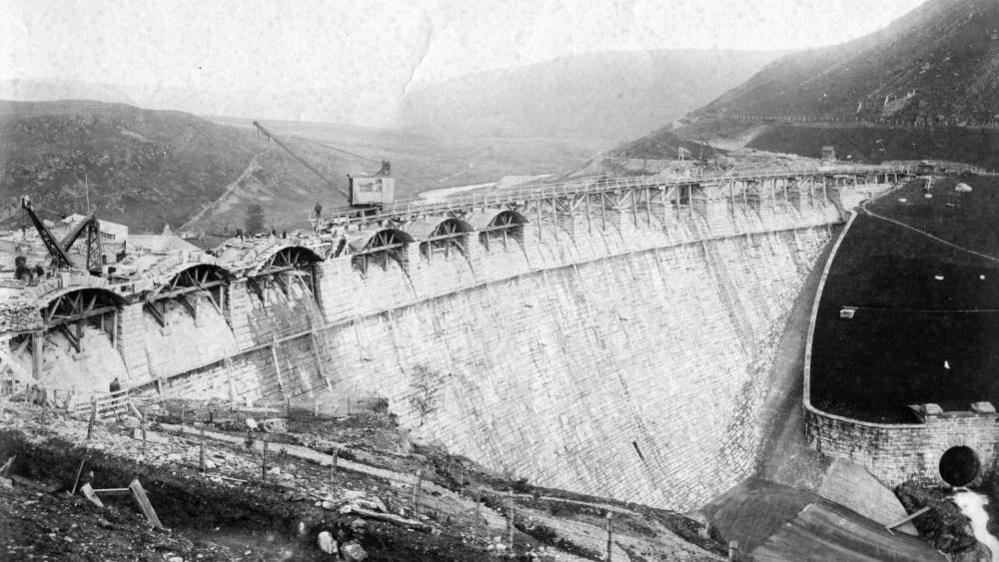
(301, 160)
(322, 144)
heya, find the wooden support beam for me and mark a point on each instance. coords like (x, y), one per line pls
(283, 285)
(37, 343)
(74, 339)
(113, 491)
(154, 312)
(319, 359)
(191, 307)
(251, 282)
(277, 369)
(908, 518)
(147, 508)
(227, 363)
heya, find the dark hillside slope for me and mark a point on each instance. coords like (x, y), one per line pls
(927, 86)
(144, 168)
(149, 168)
(875, 145)
(943, 55)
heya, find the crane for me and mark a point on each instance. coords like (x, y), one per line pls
(60, 250)
(364, 192)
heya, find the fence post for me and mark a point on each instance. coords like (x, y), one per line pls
(201, 450)
(93, 417)
(263, 461)
(79, 470)
(509, 520)
(610, 535)
(416, 491)
(333, 465)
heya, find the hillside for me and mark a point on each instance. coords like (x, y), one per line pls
(144, 168)
(149, 168)
(920, 88)
(940, 62)
(606, 97)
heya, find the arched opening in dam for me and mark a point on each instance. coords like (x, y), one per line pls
(499, 225)
(77, 350)
(380, 247)
(959, 465)
(283, 293)
(208, 280)
(288, 264)
(448, 235)
(189, 312)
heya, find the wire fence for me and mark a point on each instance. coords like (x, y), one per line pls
(860, 120)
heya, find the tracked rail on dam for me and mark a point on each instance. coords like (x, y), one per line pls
(611, 336)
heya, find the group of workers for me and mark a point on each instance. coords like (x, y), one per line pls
(27, 274)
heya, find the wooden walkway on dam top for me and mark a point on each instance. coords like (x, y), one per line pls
(742, 185)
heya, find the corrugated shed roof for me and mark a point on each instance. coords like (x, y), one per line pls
(849, 484)
(825, 531)
(779, 523)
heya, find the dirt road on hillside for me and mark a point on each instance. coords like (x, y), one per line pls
(250, 168)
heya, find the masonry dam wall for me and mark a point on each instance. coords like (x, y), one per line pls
(625, 356)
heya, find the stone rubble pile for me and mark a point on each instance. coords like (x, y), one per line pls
(19, 316)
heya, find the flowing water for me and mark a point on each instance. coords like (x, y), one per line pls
(973, 504)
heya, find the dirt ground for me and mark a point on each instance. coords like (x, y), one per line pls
(417, 503)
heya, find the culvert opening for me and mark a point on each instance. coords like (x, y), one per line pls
(959, 466)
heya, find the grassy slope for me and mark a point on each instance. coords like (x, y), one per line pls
(944, 50)
(145, 168)
(892, 353)
(149, 168)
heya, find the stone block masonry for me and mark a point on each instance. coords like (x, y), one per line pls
(622, 352)
(628, 363)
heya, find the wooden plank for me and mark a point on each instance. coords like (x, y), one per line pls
(48, 488)
(88, 493)
(147, 508)
(907, 519)
(113, 491)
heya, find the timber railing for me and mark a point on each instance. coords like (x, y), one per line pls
(498, 198)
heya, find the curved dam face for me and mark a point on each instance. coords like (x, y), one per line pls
(616, 341)
(630, 363)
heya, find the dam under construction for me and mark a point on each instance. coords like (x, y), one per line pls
(636, 339)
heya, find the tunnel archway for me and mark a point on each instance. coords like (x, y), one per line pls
(959, 465)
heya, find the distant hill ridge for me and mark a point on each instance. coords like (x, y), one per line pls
(606, 96)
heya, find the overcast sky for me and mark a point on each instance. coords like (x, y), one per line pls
(381, 46)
